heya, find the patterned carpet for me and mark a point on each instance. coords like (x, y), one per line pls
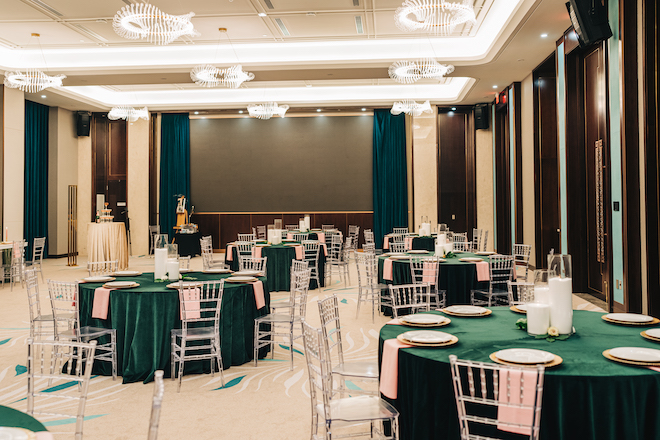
(264, 402)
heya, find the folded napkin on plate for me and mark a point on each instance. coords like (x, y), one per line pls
(387, 269)
(321, 237)
(258, 288)
(513, 414)
(300, 254)
(289, 236)
(256, 251)
(191, 297)
(101, 303)
(386, 242)
(230, 252)
(389, 367)
(394, 322)
(428, 273)
(483, 273)
(408, 241)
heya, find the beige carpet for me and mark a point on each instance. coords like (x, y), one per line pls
(266, 402)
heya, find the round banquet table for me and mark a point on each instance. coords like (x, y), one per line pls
(426, 243)
(456, 277)
(107, 242)
(278, 266)
(188, 244)
(13, 418)
(145, 315)
(586, 397)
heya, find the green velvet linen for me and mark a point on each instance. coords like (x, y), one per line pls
(144, 317)
(35, 208)
(586, 397)
(390, 178)
(457, 278)
(278, 266)
(174, 167)
(424, 243)
(13, 418)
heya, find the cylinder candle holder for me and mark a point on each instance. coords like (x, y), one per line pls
(538, 319)
(560, 284)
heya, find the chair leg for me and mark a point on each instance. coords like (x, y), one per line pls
(172, 357)
(113, 346)
(256, 343)
(181, 363)
(291, 346)
(219, 360)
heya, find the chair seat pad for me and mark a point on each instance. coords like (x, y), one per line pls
(357, 369)
(355, 409)
(196, 333)
(86, 332)
(277, 317)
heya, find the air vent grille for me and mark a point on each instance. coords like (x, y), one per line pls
(283, 28)
(268, 4)
(356, 2)
(358, 24)
(48, 8)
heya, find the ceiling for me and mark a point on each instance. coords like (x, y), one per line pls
(304, 53)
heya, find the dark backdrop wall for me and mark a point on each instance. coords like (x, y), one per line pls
(287, 164)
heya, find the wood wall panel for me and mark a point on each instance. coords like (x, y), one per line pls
(209, 224)
(502, 181)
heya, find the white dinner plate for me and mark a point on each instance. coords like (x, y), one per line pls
(427, 337)
(240, 279)
(467, 310)
(525, 356)
(423, 318)
(471, 259)
(629, 317)
(637, 354)
(217, 270)
(399, 257)
(127, 273)
(98, 279)
(251, 273)
(654, 333)
(185, 285)
(484, 253)
(7, 433)
(185, 270)
(121, 284)
(522, 307)
(288, 240)
(418, 251)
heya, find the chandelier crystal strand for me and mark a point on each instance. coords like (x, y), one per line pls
(408, 72)
(436, 16)
(129, 113)
(410, 107)
(143, 21)
(211, 76)
(267, 110)
(32, 80)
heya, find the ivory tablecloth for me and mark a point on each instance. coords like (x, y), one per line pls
(107, 242)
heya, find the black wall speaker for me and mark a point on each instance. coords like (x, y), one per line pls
(481, 117)
(82, 123)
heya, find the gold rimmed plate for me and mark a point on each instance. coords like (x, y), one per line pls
(239, 279)
(417, 251)
(184, 285)
(652, 334)
(637, 321)
(427, 338)
(556, 361)
(466, 311)
(127, 273)
(424, 320)
(521, 308)
(471, 259)
(98, 279)
(607, 355)
(121, 285)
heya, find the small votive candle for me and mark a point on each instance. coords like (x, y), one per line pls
(538, 318)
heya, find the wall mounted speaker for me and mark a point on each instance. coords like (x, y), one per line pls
(82, 123)
(481, 116)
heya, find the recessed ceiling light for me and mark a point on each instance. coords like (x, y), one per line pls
(364, 109)
(240, 111)
(43, 96)
(544, 35)
(261, 14)
(453, 108)
(494, 87)
(264, 35)
(318, 109)
(196, 113)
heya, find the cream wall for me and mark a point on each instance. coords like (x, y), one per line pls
(138, 185)
(13, 124)
(484, 176)
(84, 191)
(425, 168)
(527, 139)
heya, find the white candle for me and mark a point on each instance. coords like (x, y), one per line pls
(307, 222)
(160, 261)
(301, 225)
(442, 239)
(449, 247)
(173, 269)
(542, 294)
(561, 304)
(276, 237)
(538, 318)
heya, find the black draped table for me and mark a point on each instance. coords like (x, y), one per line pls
(144, 317)
(426, 243)
(188, 244)
(586, 397)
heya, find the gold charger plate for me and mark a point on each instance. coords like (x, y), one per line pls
(649, 337)
(462, 315)
(442, 324)
(614, 321)
(107, 280)
(607, 355)
(517, 310)
(128, 286)
(553, 363)
(452, 341)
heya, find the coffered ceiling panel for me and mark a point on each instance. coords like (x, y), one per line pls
(238, 28)
(17, 10)
(322, 25)
(80, 10)
(204, 7)
(279, 6)
(52, 34)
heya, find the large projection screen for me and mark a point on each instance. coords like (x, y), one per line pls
(292, 164)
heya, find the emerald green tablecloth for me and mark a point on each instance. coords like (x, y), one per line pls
(586, 397)
(458, 278)
(13, 418)
(424, 243)
(278, 266)
(144, 317)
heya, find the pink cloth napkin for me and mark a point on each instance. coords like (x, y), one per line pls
(387, 269)
(389, 367)
(321, 236)
(259, 299)
(256, 251)
(386, 242)
(482, 271)
(325, 249)
(428, 273)
(191, 297)
(43, 435)
(101, 303)
(289, 236)
(512, 414)
(408, 241)
(655, 369)
(394, 322)
(230, 252)
(299, 252)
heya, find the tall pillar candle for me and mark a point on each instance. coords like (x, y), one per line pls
(561, 304)
(160, 263)
(301, 225)
(538, 318)
(308, 223)
(173, 269)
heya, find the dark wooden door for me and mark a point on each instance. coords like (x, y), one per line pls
(109, 156)
(502, 181)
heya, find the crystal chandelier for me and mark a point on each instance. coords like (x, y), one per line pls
(32, 80)
(145, 21)
(410, 107)
(408, 72)
(267, 110)
(210, 76)
(437, 16)
(129, 113)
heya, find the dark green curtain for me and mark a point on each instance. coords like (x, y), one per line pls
(390, 173)
(174, 167)
(35, 206)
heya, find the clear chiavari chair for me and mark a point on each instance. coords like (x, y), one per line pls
(277, 223)
(427, 270)
(369, 247)
(98, 268)
(327, 227)
(521, 255)
(410, 298)
(200, 324)
(254, 263)
(156, 403)
(500, 269)
(479, 240)
(401, 231)
(38, 247)
(520, 292)
(330, 413)
(331, 327)
(299, 236)
(311, 251)
(245, 237)
(184, 263)
(206, 245)
(369, 236)
(296, 266)
(284, 323)
(461, 243)
(484, 389)
(291, 227)
(153, 231)
(354, 236)
(244, 249)
(398, 247)
(17, 264)
(37, 318)
(442, 227)
(369, 290)
(336, 261)
(58, 364)
(65, 304)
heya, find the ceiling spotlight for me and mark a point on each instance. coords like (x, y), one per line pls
(364, 109)
(240, 111)
(453, 109)
(544, 35)
(318, 109)
(494, 87)
(43, 96)
(196, 113)
(261, 14)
